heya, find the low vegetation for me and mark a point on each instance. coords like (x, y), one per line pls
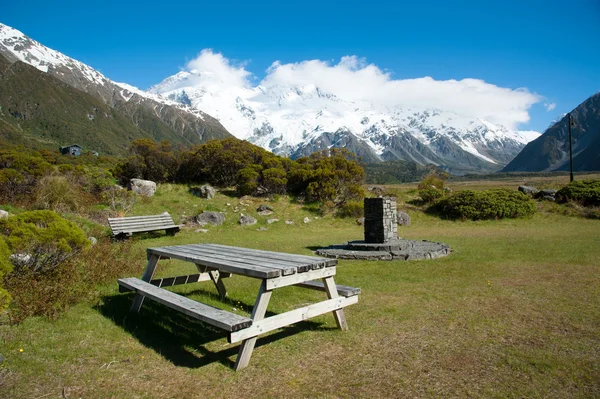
(584, 192)
(488, 204)
(516, 296)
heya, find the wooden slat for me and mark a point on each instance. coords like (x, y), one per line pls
(284, 281)
(140, 229)
(236, 268)
(304, 259)
(219, 318)
(142, 223)
(286, 268)
(165, 215)
(264, 257)
(291, 317)
(342, 290)
(210, 255)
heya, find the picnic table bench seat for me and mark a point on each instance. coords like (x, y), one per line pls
(126, 226)
(216, 317)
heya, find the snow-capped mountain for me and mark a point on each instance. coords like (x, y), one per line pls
(295, 121)
(192, 125)
(288, 120)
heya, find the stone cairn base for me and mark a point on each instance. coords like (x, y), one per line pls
(381, 241)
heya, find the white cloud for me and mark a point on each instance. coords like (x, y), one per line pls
(352, 78)
(221, 70)
(550, 106)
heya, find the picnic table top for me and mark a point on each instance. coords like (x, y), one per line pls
(244, 261)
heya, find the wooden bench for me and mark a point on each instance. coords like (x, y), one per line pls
(126, 226)
(216, 317)
(342, 290)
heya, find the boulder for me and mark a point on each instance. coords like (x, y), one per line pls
(263, 207)
(306, 220)
(531, 191)
(272, 221)
(20, 259)
(546, 193)
(93, 240)
(212, 218)
(403, 218)
(246, 220)
(3, 214)
(205, 191)
(146, 188)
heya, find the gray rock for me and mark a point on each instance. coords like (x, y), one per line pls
(212, 218)
(272, 221)
(265, 213)
(93, 240)
(289, 222)
(531, 191)
(547, 193)
(246, 220)
(360, 221)
(263, 207)
(548, 198)
(200, 231)
(20, 259)
(146, 188)
(3, 214)
(261, 228)
(205, 191)
(403, 218)
(306, 220)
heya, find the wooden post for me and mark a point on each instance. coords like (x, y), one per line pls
(216, 278)
(331, 289)
(258, 313)
(148, 273)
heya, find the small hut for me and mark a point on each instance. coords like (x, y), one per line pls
(73, 149)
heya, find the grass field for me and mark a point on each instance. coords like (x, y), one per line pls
(514, 311)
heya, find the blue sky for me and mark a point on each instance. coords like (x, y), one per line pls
(551, 48)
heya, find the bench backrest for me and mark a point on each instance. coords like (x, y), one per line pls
(132, 223)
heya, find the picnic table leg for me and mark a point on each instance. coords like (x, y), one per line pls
(340, 317)
(258, 313)
(216, 278)
(148, 273)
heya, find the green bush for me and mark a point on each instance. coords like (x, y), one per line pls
(43, 238)
(5, 268)
(431, 188)
(52, 292)
(488, 204)
(353, 209)
(584, 192)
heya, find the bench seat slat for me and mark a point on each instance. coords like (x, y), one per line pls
(219, 318)
(138, 224)
(343, 290)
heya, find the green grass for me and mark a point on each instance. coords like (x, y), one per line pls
(514, 311)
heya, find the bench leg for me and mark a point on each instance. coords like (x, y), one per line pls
(340, 317)
(258, 313)
(148, 273)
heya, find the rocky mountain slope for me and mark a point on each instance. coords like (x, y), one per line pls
(149, 116)
(296, 121)
(550, 152)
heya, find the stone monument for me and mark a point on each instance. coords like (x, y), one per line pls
(381, 241)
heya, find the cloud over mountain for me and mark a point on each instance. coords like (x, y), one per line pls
(353, 78)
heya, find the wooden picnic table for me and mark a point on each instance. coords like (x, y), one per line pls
(275, 269)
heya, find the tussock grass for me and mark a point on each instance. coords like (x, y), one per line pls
(514, 311)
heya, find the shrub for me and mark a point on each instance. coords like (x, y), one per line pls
(431, 188)
(489, 204)
(584, 192)
(354, 209)
(43, 238)
(5, 268)
(57, 193)
(51, 292)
